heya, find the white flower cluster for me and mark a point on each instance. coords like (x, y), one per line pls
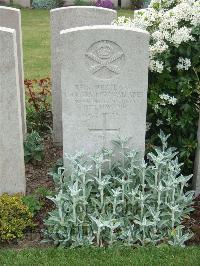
(170, 23)
(181, 35)
(167, 99)
(143, 19)
(123, 21)
(158, 48)
(156, 65)
(183, 63)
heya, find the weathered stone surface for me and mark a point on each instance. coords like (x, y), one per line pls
(61, 19)
(115, 3)
(196, 178)
(11, 18)
(104, 87)
(125, 3)
(23, 3)
(68, 3)
(12, 173)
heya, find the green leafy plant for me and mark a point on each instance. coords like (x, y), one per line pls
(43, 192)
(146, 3)
(33, 204)
(38, 108)
(47, 4)
(136, 4)
(15, 217)
(115, 196)
(54, 169)
(33, 147)
(84, 3)
(36, 201)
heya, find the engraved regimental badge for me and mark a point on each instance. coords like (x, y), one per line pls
(105, 59)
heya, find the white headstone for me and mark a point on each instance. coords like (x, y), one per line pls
(61, 19)
(12, 173)
(115, 3)
(23, 3)
(104, 87)
(126, 3)
(11, 18)
(196, 178)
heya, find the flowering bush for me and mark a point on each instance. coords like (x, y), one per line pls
(114, 196)
(104, 3)
(15, 217)
(174, 86)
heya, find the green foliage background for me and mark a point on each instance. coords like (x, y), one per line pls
(180, 120)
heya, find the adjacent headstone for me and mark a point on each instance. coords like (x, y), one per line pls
(12, 173)
(11, 18)
(23, 3)
(104, 87)
(196, 178)
(61, 19)
(126, 3)
(115, 3)
(67, 3)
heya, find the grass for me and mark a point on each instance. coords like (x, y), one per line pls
(36, 41)
(92, 256)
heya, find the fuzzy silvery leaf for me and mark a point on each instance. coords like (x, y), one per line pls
(120, 200)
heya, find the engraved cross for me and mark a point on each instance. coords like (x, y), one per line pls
(105, 129)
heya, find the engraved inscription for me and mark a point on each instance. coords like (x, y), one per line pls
(104, 97)
(105, 129)
(105, 59)
(103, 107)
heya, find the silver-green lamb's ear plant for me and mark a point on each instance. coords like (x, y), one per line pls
(115, 196)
